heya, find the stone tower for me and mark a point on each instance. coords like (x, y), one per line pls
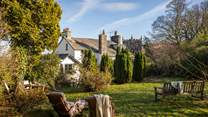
(103, 43)
(117, 39)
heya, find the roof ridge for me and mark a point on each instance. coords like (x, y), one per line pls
(84, 38)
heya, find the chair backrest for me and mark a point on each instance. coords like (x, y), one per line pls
(59, 102)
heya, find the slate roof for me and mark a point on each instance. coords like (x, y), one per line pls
(87, 43)
(90, 43)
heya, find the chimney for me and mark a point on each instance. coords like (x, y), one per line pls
(117, 39)
(103, 43)
(67, 34)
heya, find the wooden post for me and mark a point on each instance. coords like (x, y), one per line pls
(156, 95)
(63, 68)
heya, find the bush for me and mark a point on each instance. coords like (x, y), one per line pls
(106, 64)
(89, 60)
(139, 67)
(48, 69)
(195, 61)
(13, 68)
(95, 80)
(21, 99)
(28, 100)
(91, 78)
(123, 66)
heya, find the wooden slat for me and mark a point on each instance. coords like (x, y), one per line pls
(192, 87)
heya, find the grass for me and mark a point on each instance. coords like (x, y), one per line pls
(137, 99)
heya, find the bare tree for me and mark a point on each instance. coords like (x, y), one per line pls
(169, 26)
(181, 26)
(195, 21)
(204, 15)
(191, 23)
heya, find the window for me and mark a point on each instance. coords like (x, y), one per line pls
(68, 67)
(67, 46)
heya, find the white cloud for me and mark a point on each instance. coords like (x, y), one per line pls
(119, 6)
(86, 6)
(130, 20)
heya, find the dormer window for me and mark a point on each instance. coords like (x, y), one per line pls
(67, 46)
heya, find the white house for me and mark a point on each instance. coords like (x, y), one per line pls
(70, 48)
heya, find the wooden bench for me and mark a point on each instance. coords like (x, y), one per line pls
(195, 88)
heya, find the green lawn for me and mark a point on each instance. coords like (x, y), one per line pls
(137, 99)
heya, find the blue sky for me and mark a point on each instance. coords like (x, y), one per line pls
(87, 18)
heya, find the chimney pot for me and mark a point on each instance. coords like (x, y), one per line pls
(103, 32)
(115, 33)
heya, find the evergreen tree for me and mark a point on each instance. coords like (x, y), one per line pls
(129, 67)
(106, 64)
(139, 67)
(33, 26)
(89, 60)
(123, 66)
(116, 62)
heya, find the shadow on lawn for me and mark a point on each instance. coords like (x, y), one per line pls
(134, 100)
(141, 104)
(41, 113)
(135, 104)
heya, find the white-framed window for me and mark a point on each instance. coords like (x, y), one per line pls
(68, 67)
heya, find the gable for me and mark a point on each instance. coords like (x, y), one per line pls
(67, 60)
(62, 48)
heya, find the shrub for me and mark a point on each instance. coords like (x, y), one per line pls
(28, 100)
(13, 69)
(95, 80)
(139, 67)
(48, 69)
(195, 61)
(123, 66)
(91, 78)
(89, 60)
(106, 64)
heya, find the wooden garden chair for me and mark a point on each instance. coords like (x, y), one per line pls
(62, 106)
(9, 95)
(28, 85)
